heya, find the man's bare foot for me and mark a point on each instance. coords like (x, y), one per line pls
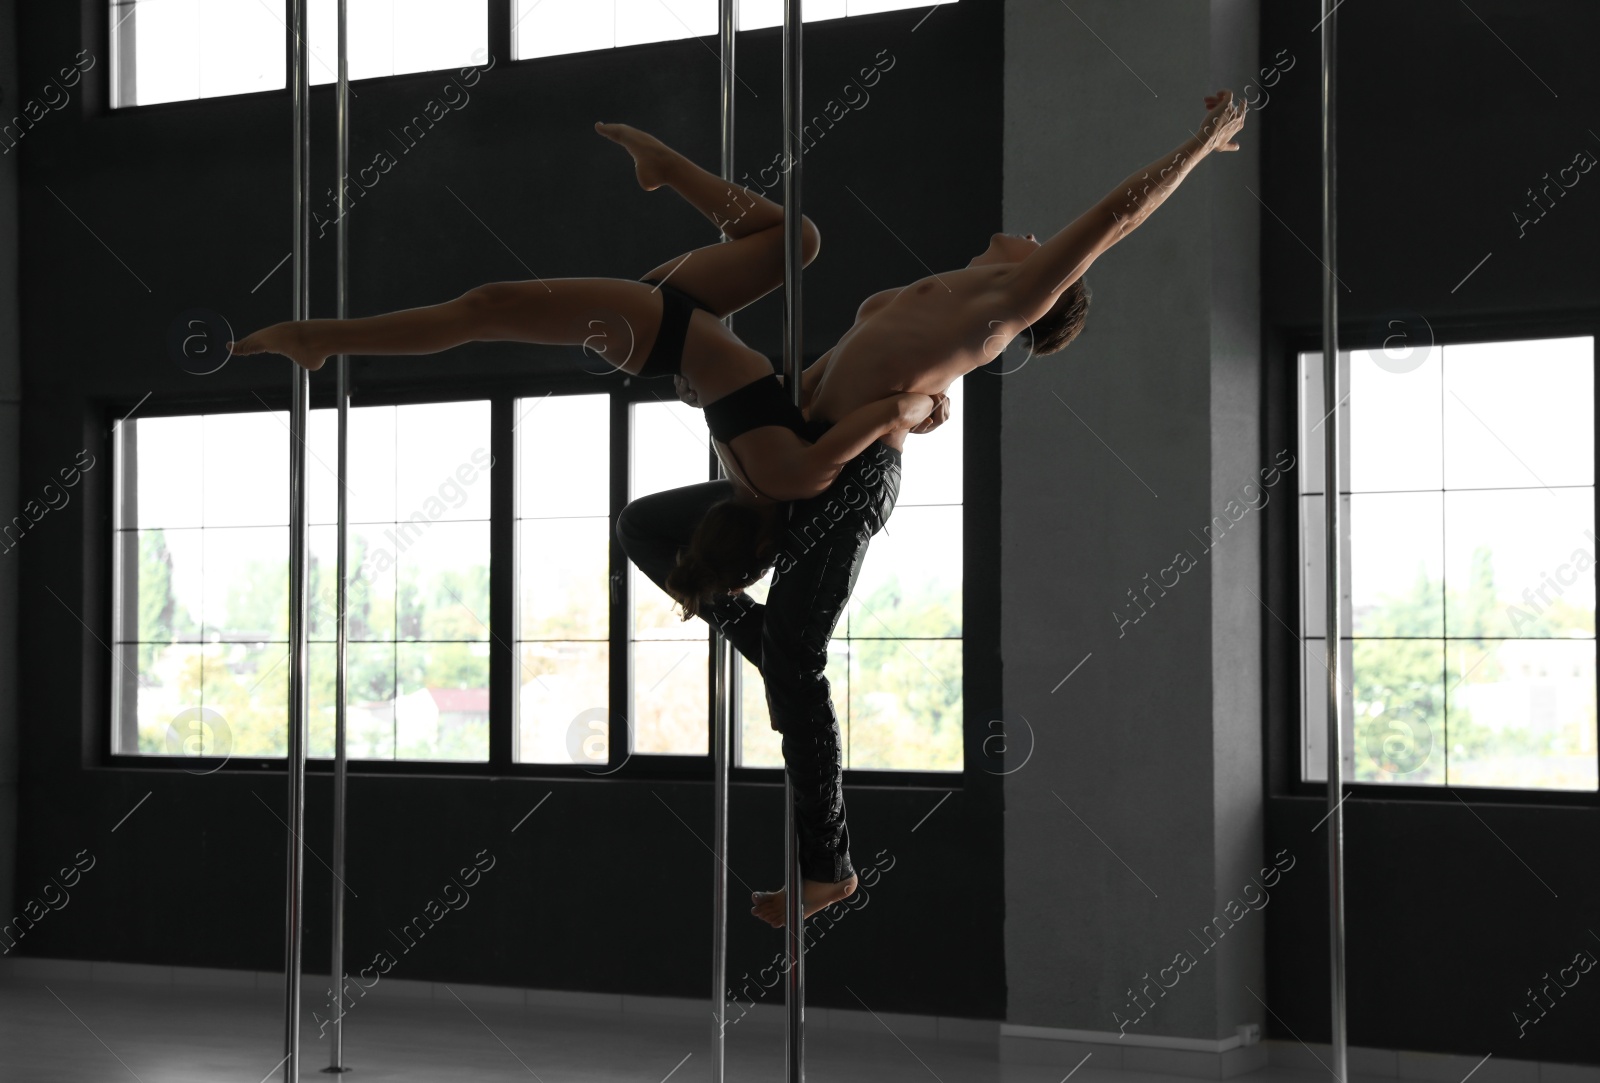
(814, 895)
(651, 157)
(288, 339)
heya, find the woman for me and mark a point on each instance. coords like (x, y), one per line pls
(669, 329)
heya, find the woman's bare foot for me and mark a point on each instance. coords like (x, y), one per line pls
(289, 339)
(651, 157)
(814, 895)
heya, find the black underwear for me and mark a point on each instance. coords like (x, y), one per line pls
(753, 406)
(666, 356)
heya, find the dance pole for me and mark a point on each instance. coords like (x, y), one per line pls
(723, 660)
(299, 408)
(1335, 606)
(794, 916)
(340, 763)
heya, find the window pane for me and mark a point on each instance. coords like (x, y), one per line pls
(240, 49)
(563, 714)
(248, 685)
(905, 705)
(565, 578)
(246, 469)
(1523, 714)
(1396, 549)
(910, 582)
(670, 697)
(442, 461)
(396, 37)
(871, 7)
(369, 702)
(549, 27)
(371, 473)
(639, 21)
(167, 50)
(932, 469)
(246, 594)
(755, 14)
(1398, 710)
(166, 485)
(443, 584)
(759, 744)
(168, 588)
(441, 706)
(371, 600)
(1394, 414)
(1520, 562)
(564, 456)
(1313, 554)
(168, 682)
(1314, 688)
(1519, 413)
(668, 447)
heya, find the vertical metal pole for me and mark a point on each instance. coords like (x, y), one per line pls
(300, 400)
(1335, 605)
(794, 919)
(340, 763)
(723, 660)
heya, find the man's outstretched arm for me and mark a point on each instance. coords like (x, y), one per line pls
(1065, 257)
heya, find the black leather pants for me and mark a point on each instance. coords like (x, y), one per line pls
(787, 639)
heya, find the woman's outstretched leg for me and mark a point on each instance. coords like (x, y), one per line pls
(612, 318)
(731, 207)
(725, 277)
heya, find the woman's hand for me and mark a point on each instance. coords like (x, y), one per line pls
(914, 409)
(686, 393)
(940, 414)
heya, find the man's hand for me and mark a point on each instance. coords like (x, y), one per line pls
(686, 394)
(1223, 122)
(940, 414)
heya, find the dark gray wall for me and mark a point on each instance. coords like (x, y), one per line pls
(10, 423)
(195, 199)
(1448, 113)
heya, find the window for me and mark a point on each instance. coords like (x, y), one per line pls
(563, 578)
(671, 668)
(201, 583)
(1470, 552)
(895, 663)
(552, 27)
(179, 50)
(200, 636)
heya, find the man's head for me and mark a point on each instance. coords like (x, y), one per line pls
(1062, 323)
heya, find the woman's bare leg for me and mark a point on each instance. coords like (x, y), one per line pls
(612, 318)
(726, 277)
(731, 207)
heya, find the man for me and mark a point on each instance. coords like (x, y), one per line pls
(919, 338)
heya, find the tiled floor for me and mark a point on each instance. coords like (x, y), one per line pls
(80, 1032)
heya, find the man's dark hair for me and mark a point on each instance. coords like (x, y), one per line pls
(1059, 326)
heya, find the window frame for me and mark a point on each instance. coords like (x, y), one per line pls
(502, 394)
(1282, 687)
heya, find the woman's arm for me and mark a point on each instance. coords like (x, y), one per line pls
(816, 467)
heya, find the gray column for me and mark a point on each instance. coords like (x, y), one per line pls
(1140, 813)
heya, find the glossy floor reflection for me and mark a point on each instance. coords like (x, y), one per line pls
(67, 1030)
